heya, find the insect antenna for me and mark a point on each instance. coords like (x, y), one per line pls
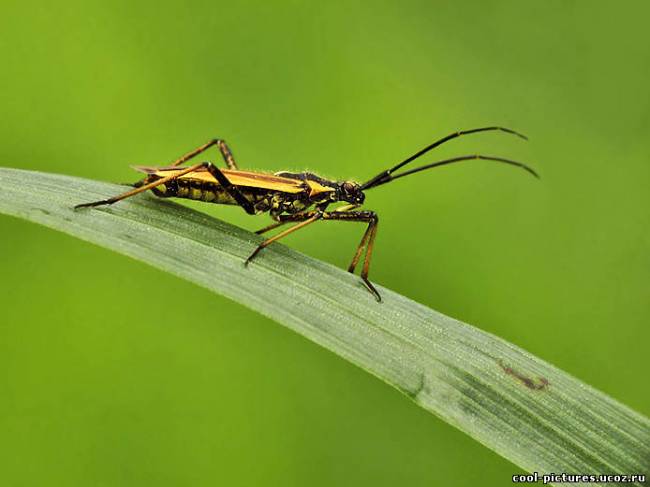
(386, 176)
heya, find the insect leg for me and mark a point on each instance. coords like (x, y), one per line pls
(227, 155)
(366, 261)
(223, 148)
(230, 188)
(341, 214)
(304, 218)
(284, 219)
(143, 187)
(359, 251)
(367, 241)
(363, 242)
(270, 227)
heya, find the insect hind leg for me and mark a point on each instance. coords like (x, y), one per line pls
(230, 188)
(142, 187)
(211, 168)
(226, 153)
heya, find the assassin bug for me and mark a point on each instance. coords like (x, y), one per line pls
(300, 198)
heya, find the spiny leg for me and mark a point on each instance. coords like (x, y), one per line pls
(223, 148)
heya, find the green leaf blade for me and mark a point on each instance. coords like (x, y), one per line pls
(486, 387)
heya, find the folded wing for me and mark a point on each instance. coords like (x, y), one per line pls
(238, 178)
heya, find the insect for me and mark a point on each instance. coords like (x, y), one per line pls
(301, 198)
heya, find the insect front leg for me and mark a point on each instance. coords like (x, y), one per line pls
(223, 148)
(342, 214)
(367, 241)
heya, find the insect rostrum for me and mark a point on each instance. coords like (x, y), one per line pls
(299, 198)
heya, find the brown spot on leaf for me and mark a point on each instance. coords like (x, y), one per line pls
(538, 385)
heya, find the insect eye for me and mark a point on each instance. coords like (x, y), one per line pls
(348, 187)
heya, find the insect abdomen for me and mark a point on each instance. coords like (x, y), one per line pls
(194, 190)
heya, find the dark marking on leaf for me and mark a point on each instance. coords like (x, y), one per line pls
(541, 383)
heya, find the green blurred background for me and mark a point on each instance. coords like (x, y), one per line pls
(100, 386)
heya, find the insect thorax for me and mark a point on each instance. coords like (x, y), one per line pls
(279, 203)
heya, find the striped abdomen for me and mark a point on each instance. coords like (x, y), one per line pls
(194, 190)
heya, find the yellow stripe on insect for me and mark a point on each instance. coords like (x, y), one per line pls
(316, 188)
